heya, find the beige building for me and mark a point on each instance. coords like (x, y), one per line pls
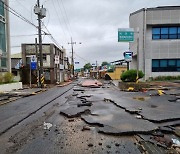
(52, 72)
(5, 59)
(158, 41)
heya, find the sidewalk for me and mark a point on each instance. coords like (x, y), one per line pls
(7, 97)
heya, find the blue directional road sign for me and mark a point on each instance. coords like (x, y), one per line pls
(33, 62)
(33, 65)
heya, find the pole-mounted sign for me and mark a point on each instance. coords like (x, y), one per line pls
(33, 62)
(125, 35)
(128, 56)
(76, 62)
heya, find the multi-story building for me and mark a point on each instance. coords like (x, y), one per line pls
(52, 72)
(5, 60)
(16, 64)
(157, 40)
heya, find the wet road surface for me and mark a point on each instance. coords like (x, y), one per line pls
(75, 119)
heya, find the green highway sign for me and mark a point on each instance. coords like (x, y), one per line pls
(125, 35)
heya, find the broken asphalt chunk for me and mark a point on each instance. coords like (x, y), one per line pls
(86, 128)
(79, 89)
(84, 104)
(126, 125)
(74, 111)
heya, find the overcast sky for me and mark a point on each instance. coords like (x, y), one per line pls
(94, 23)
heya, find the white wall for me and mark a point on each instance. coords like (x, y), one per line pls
(10, 86)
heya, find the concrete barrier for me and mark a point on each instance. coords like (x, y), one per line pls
(10, 86)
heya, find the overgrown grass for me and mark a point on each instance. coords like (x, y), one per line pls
(165, 78)
(6, 78)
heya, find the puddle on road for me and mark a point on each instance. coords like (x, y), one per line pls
(47, 126)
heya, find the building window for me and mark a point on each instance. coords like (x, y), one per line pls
(165, 65)
(156, 33)
(178, 32)
(155, 63)
(2, 37)
(44, 57)
(3, 62)
(1, 8)
(28, 60)
(165, 33)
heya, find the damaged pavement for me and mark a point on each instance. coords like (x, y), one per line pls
(96, 117)
(129, 113)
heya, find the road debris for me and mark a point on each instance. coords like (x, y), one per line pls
(176, 142)
(47, 126)
(86, 128)
(74, 111)
(160, 92)
(106, 120)
(91, 83)
(130, 89)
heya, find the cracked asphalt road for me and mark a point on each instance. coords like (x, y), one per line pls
(89, 120)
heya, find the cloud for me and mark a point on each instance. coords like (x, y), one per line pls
(94, 23)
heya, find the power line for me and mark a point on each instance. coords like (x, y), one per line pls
(59, 20)
(68, 29)
(22, 5)
(8, 8)
(23, 35)
(66, 16)
(52, 38)
(81, 58)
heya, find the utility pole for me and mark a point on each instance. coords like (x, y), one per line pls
(72, 56)
(40, 45)
(37, 57)
(41, 13)
(97, 69)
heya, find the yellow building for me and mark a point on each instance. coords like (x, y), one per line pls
(118, 70)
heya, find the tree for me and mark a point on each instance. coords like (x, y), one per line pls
(87, 66)
(104, 63)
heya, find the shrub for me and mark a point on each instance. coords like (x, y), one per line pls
(166, 78)
(130, 75)
(8, 77)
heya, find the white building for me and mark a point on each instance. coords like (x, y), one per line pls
(159, 41)
(5, 60)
